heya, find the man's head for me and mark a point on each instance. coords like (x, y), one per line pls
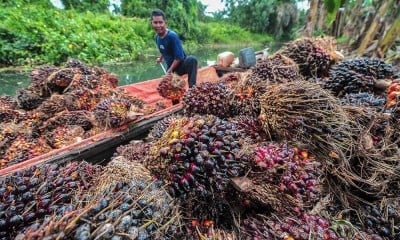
(158, 22)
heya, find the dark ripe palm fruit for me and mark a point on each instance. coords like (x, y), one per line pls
(208, 98)
(172, 89)
(34, 193)
(251, 127)
(293, 170)
(112, 112)
(77, 118)
(300, 227)
(28, 99)
(358, 75)
(192, 156)
(313, 55)
(304, 112)
(64, 135)
(59, 80)
(132, 198)
(159, 127)
(134, 151)
(55, 104)
(364, 99)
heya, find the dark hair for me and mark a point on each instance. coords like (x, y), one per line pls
(157, 13)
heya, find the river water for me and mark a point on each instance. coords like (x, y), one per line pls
(127, 73)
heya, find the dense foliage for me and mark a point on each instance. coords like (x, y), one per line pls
(37, 32)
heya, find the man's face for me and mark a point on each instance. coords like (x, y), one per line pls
(159, 25)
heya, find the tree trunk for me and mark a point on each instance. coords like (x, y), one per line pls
(390, 37)
(311, 18)
(321, 17)
(373, 28)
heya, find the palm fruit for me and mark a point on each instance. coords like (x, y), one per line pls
(8, 102)
(313, 55)
(172, 89)
(31, 194)
(208, 98)
(112, 113)
(281, 178)
(10, 115)
(78, 118)
(59, 80)
(364, 99)
(136, 150)
(359, 75)
(304, 227)
(381, 218)
(28, 98)
(197, 154)
(251, 128)
(55, 104)
(22, 148)
(303, 112)
(159, 128)
(125, 204)
(64, 135)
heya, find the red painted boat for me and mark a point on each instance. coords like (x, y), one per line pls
(98, 147)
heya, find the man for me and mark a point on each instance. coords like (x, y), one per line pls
(171, 49)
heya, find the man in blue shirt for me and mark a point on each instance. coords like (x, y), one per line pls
(171, 49)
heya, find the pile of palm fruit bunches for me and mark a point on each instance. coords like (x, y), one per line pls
(303, 145)
(62, 106)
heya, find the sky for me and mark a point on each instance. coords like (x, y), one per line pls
(213, 5)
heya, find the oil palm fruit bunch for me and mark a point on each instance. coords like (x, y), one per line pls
(364, 99)
(393, 93)
(112, 112)
(251, 128)
(208, 98)
(8, 102)
(64, 135)
(281, 177)
(135, 150)
(197, 154)
(39, 76)
(65, 118)
(172, 89)
(303, 227)
(313, 55)
(10, 115)
(22, 148)
(274, 69)
(59, 80)
(53, 105)
(125, 204)
(359, 75)
(81, 99)
(29, 98)
(381, 218)
(159, 128)
(305, 113)
(28, 195)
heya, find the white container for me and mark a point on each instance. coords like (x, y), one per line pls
(225, 59)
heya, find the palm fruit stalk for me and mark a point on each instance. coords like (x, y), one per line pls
(304, 112)
(126, 203)
(29, 195)
(172, 89)
(135, 150)
(111, 113)
(313, 55)
(360, 75)
(303, 227)
(208, 98)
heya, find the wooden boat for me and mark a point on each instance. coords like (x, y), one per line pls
(100, 147)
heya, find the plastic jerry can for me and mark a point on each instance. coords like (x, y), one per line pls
(247, 57)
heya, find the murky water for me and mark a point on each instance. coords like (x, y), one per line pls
(133, 72)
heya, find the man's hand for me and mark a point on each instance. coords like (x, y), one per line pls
(159, 60)
(168, 76)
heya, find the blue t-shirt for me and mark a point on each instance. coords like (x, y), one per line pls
(170, 47)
